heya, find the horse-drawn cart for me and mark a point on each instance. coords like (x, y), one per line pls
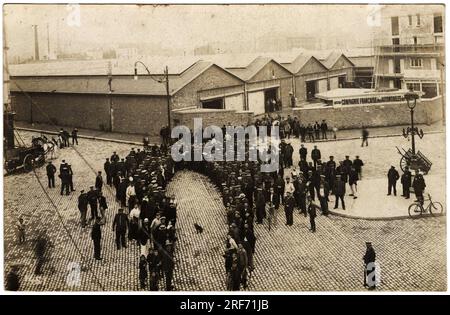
(416, 161)
(25, 158)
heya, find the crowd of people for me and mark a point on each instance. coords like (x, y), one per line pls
(292, 127)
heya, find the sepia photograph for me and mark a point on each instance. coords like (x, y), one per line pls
(259, 147)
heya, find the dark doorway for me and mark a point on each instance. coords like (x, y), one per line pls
(341, 81)
(397, 83)
(213, 104)
(310, 90)
(271, 100)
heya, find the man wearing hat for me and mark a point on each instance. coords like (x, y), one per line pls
(419, 186)
(260, 206)
(51, 170)
(312, 212)
(392, 176)
(369, 270)
(339, 192)
(74, 136)
(315, 155)
(120, 226)
(92, 200)
(99, 181)
(96, 235)
(82, 206)
(303, 152)
(289, 204)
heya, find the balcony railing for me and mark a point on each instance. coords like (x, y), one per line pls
(419, 49)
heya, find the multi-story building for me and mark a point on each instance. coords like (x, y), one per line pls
(409, 49)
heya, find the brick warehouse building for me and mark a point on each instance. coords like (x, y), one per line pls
(102, 94)
(126, 105)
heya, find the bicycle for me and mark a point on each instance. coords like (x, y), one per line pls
(417, 208)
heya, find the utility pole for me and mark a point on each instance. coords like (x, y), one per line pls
(8, 114)
(48, 42)
(36, 43)
(111, 110)
(166, 72)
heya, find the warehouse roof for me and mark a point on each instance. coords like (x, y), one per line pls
(253, 68)
(145, 85)
(155, 64)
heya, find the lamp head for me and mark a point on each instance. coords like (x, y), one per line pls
(411, 98)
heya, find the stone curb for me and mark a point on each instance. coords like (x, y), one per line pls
(140, 143)
(403, 217)
(82, 136)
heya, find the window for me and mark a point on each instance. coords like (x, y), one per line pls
(414, 86)
(418, 19)
(416, 62)
(410, 20)
(437, 23)
(394, 25)
(213, 104)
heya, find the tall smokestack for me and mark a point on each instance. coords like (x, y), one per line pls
(36, 43)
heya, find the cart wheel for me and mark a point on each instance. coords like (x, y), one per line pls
(28, 163)
(403, 163)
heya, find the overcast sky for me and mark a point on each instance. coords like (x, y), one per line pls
(175, 26)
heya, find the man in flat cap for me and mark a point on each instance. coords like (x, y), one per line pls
(369, 267)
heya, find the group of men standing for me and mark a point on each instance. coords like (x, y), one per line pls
(407, 181)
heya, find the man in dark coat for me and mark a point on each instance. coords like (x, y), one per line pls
(167, 265)
(74, 136)
(324, 129)
(92, 199)
(393, 176)
(303, 152)
(82, 206)
(406, 182)
(107, 168)
(12, 280)
(70, 177)
(289, 204)
(96, 235)
(339, 192)
(358, 164)
(120, 226)
(51, 170)
(99, 181)
(315, 155)
(260, 206)
(419, 186)
(312, 212)
(369, 270)
(65, 178)
(365, 136)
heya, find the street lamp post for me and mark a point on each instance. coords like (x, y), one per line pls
(411, 100)
(165, 80)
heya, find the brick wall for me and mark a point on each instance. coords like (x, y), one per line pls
(212, 117)
(139, 114)
(388, 114)
(76, 110)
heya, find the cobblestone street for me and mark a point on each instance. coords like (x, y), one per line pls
(411, 253)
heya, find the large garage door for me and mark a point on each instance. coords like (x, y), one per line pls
(322, 86)
(256, 102)
(334, 83)
(235, 102)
